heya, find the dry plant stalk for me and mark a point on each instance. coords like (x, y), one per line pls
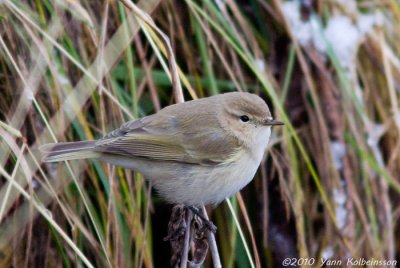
(187, 231)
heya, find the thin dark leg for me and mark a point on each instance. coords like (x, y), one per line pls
(209, 224)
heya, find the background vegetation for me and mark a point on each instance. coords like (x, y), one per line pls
(73, 70)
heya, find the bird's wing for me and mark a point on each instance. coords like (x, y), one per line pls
(164, 138)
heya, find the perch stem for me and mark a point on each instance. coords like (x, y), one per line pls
(185, 250)
(213, 244)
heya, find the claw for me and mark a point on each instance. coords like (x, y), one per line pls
(208, 224)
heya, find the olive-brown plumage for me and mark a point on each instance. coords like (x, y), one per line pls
(197, 152)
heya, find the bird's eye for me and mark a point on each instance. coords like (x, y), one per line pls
(244, 118)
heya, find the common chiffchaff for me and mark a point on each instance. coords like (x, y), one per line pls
(195, 153)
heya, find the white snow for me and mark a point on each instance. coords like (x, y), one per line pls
(342, 34)
(339, 197)
(338, 150)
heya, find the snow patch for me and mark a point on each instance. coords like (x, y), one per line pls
(338, 150)
(341, 33)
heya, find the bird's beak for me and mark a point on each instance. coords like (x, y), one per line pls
(269, 121)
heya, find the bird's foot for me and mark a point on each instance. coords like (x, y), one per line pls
(209, 225)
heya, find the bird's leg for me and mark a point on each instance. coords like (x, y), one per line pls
(208, 224)
(184, 230)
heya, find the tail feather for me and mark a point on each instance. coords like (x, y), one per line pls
(54, 152)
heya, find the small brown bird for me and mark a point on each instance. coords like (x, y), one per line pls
(195, 153)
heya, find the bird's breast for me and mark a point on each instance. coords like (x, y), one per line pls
(209, 185)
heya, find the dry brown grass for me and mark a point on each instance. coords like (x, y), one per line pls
(74, 70)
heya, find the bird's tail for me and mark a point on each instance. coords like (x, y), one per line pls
(54, 152)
